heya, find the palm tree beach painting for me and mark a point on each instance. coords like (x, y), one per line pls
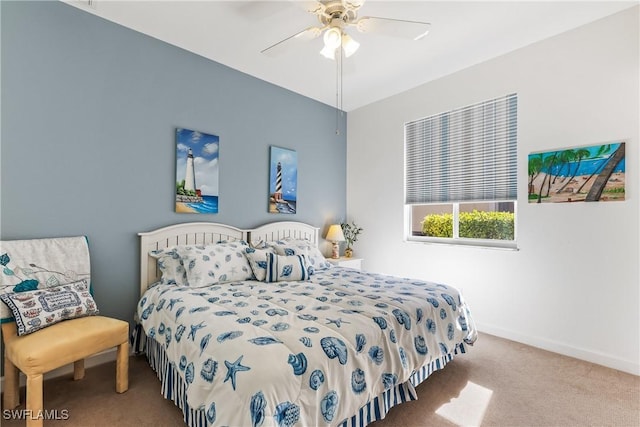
(582, 174)
(283, 181)
(196, 172)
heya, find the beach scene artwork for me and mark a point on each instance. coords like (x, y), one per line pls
(283, 181)
(582, 174)
(196, 172)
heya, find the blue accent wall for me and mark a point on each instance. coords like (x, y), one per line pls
(88, 117)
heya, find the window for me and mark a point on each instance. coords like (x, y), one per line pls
(461, 175)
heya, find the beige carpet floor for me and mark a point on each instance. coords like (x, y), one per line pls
(497, 383)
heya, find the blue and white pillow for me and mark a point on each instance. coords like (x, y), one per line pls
(37, 309)
(258, 261)
(289, 268)
(219, 263)
(315, 258)
(171, 266)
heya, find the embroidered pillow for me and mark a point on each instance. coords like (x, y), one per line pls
(219, 263)
(171, 266)
(315, 258)
(288, 268)
(35, 310)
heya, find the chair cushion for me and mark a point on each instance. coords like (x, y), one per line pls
(63, 343)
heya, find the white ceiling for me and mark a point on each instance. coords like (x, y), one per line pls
(463, 33)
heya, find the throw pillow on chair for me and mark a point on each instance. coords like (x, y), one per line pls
(46, 290)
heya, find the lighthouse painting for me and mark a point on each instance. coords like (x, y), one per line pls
(196, 172)
(283, 182)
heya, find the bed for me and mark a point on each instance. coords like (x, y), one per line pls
(254, 327)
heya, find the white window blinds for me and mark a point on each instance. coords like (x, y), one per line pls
(467, 154)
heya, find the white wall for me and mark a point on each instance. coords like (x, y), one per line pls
(573, 285)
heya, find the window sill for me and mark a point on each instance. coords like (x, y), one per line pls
(471, 243)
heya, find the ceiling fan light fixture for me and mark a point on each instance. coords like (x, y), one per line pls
(332, 38)
(329, 53)
(349, 45)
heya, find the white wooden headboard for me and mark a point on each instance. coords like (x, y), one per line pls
(192, 233)
(282, 229)
(204, 233)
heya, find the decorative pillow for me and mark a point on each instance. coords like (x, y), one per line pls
(219, 263)
(258, 261)
(171, 266)
(262, 244)
(288, 268)
(34, 310)
(303, 247)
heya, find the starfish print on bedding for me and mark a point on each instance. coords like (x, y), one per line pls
(173, 302)
(194, 329)
(337, 321)
(232, 369)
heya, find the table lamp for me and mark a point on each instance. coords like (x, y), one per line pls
(335, 235)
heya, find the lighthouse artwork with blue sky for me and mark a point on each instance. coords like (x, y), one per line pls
(283, 182)
(196, 171)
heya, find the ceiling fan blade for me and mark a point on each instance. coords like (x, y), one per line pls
(311, 6)
(353, 4)
(414, 30)
(304, 35)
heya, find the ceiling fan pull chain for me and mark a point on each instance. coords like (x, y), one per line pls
(340, 58)
(339, 75)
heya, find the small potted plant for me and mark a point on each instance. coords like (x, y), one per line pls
(351, 232)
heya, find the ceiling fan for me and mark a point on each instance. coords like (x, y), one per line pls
(338, 16)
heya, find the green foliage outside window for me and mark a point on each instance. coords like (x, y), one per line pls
(438, 225)
(473, 225)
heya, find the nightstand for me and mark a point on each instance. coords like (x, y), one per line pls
(347, 262)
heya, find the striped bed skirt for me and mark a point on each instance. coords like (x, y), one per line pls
(174, 387)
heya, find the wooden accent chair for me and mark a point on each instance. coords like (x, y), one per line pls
(55, 346)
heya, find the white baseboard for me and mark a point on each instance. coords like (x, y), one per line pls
(631, 367)
(97, 359)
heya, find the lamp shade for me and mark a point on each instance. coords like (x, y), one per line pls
(349, 45)
(335, 234)
(329, 53)
(332, 37)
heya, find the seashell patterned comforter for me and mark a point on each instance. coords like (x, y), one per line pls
(302, 353)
